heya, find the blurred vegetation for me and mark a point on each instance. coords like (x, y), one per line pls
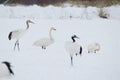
(103, 13)
(99, 3)
(1, 1)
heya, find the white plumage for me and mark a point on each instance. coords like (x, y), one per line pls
(93, 48)
(5, 71)
(17, 34)
(44, 42)
(73, 48)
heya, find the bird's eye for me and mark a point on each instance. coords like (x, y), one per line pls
(75, 36)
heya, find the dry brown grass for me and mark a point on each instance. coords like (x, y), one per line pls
(98, 3)
(103, 13)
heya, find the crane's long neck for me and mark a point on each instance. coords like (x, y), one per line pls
(50, 34)
(73, 38)
(27, 25)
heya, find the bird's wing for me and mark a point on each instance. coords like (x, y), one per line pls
(43, 42)
(72, 47)
(17, 33)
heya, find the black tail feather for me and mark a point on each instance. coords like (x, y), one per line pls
(10, 36)
(80, 50)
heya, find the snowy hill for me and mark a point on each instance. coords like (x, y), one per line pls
(33, 63)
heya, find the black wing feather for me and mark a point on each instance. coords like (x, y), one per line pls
(80, 50)
(10, 36)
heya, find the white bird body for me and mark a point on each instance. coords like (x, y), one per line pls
(5, 71)
(93, 48)
(73, 48)
(44, 42)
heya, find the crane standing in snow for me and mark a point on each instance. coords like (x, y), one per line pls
(17, 34)
(73, 48)
(5, 70)
(44, 42)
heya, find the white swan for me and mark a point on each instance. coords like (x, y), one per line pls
(44, 42)
(93, 48)
(73, 48)
(5, 70)
(17, 34)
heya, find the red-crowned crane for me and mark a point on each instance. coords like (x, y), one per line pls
(73, 48)
(17, 34)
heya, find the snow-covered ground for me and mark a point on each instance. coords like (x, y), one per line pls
(33, 63)
(51, 12)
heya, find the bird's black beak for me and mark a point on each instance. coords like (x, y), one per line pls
(32, 22)
(77, 37)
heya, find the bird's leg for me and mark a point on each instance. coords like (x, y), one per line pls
(76, 54)
(71, 60)
(88, 51)
(18, 45)
(15, 45)
(42, 47)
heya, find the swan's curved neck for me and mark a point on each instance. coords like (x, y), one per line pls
(50, 34)
(27, 25)
(73, 38)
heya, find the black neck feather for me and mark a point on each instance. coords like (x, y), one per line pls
(9, 67)
(73, 38)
